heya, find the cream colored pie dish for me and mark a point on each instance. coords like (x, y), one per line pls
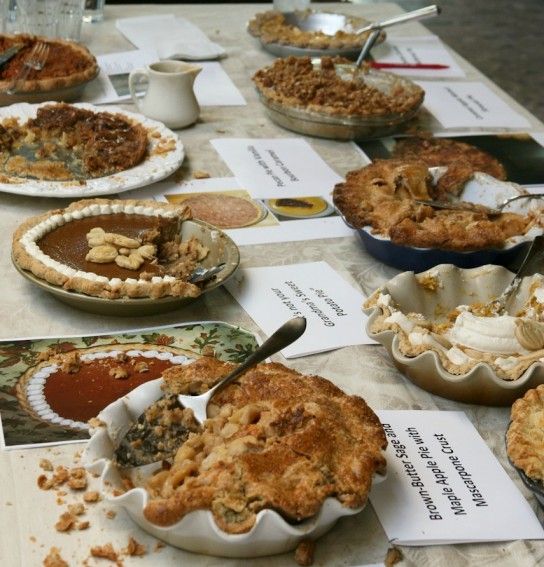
(111, 249)
(444, 333)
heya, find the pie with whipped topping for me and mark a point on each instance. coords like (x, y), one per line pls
(382, 196)
(111, 249)
(525, 436)
(274, 439)
(69, 388)
(67, 64)
(65, 142)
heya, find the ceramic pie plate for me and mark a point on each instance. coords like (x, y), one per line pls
(197, 531)
(337, 127)
(154, 167)
(480, 385)
(222, 249)
(482, 189)
(327, 22)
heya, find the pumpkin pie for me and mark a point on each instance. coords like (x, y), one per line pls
(111, 249)
(68, 64)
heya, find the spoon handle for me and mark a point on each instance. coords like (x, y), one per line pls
(427, 12)
(288, 333)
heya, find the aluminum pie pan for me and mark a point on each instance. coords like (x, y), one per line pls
(315, 20)
(481, 385)
(222, 249)
(197, 531)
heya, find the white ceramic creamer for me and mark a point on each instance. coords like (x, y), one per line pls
(169, 97)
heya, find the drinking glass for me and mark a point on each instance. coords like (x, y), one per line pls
(69, 18)
(39, 17)
(94, 11)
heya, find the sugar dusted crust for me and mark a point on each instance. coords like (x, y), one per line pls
(25, 256)
(381, 195)
(525, 437)
(275, 439)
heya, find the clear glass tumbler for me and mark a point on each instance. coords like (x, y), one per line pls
(94, 10)
(69, 18)
(39, 17)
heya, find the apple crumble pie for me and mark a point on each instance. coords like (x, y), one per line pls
(382, 195)
(300, 82)
(274, 439)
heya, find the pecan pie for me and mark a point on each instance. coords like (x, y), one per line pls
(381, 195)
(525, 437)
(461, 159)
(68, 64)
(66, 142)
(275, 439)
(111, 249)
(300, 82)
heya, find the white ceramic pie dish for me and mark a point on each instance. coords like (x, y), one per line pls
(154, 167)
(481, 385)
(197, 531)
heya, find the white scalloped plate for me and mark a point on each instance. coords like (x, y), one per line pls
(153, 168)
(197, 531)
(481, 385)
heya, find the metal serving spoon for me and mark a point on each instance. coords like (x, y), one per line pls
(422, 13)
(202, 274)
(141, 446)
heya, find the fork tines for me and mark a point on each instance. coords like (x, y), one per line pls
(35, 61)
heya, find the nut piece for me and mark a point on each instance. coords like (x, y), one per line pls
(132, 262)
(95, 237)
(102, 254)
(124, 251)
(147, 251)
(530, 334)
(121, 241)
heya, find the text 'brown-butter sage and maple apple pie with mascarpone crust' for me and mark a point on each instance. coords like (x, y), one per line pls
(64, 142)
(111, 249)
(274, 439)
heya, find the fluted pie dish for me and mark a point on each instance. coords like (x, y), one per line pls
(280, 458)
(443, 332)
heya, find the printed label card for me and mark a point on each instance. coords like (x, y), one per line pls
(444, 485)
(469, 104)
(277, 167)
(332, 307)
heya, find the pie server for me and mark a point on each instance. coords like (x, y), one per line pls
(6, 55)
(141, 446)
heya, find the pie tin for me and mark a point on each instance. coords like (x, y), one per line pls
(222, 250)
(327, 22)
(321, 125)
(481, 385)
(197, 531)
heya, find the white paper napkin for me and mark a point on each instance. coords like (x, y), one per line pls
(173, 38)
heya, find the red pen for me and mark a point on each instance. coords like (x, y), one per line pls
(378, 65)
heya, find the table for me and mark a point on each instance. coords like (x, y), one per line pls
(27, 514)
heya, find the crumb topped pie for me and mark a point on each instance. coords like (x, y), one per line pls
(111, 249)
(274, 439)
(68, 64)
(382, 195)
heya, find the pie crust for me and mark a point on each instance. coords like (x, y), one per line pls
(274, 439)
(95, 376)
(381, 195)
(68, 64)
(525, 437)
(55, 247)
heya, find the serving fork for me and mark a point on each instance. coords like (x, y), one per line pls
(35, 61)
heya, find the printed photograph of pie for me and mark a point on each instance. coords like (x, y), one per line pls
(68, 68)
(225, 209)
(300, 207)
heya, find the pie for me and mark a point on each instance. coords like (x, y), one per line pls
(275, 439)
(461, 159)
(69, 388)
(272, 27)
(68, 64)
(525, 436)
(315, 85)
(382, 195)
(298, 207)
(111, 248)
(65, 142)
(223, 211)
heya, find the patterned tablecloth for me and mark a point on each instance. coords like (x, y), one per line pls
(28, 515)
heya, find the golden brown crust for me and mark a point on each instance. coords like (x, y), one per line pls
(178, 287)
(381, 195)
(277, 439)
(68, 64)
(295, 82)
(525, 440)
